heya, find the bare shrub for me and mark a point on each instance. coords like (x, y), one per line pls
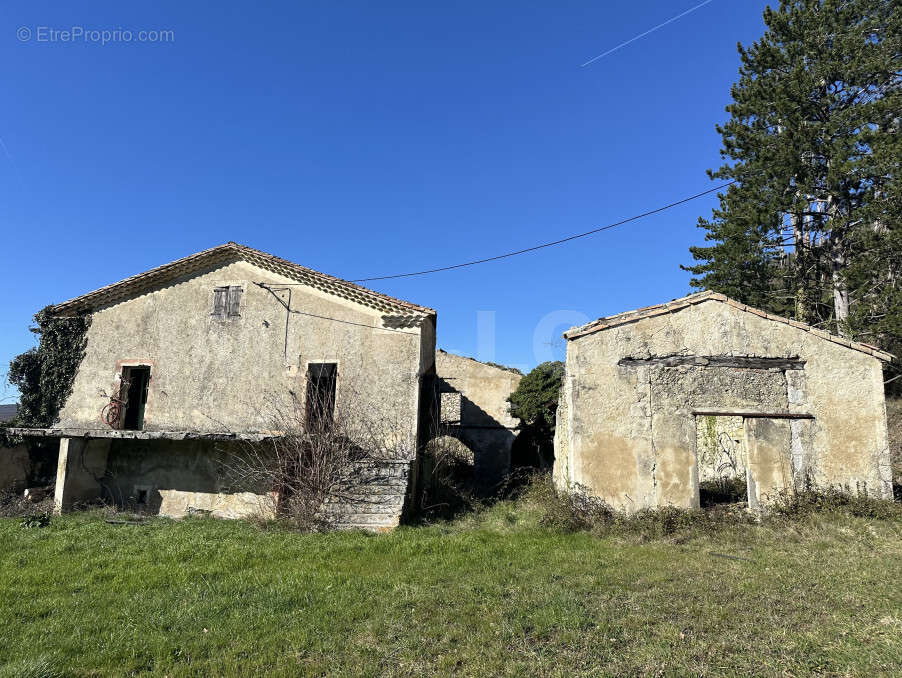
(14, 505)
(578, 510)
(318, 464)
(811, 500)
(575, 510)
(449, 486)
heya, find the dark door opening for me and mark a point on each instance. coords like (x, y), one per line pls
(321, 379)
(135, 381)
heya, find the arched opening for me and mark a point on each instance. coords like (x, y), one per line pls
(448, 477)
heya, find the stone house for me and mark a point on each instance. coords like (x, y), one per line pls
(187, 359)
(474, 411)
(658, 402)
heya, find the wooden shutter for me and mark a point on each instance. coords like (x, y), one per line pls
(220, 302)
(234, 301)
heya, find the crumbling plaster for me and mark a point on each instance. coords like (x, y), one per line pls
(215, 378)
(627, 433)
(210, 374)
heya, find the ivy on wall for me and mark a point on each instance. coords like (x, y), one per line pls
(44, 374)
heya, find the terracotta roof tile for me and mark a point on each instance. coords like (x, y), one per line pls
(231, 251)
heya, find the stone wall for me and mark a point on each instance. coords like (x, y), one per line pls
(633, 395)
(212, 374)
(485, 425)
(14, 467)
(182, 477)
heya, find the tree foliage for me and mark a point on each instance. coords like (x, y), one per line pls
(812, 225)
(534, 402)
(44, 374)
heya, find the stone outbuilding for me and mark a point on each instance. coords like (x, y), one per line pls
(190, 358)
(475, 411)
(657, 403)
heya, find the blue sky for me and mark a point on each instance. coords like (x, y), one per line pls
(364, 139)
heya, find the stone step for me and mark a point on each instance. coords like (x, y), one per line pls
(367, 500)
(385, 474)
(367, 521)
(371, 490)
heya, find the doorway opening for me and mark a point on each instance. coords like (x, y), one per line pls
(321, 378)
(135, 381)
(722, 460)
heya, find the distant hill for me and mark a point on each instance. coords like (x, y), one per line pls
(7, 412)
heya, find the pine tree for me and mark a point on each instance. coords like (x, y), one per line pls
(811, 225)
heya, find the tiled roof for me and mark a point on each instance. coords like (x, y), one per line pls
(701, 297)
(165, 274)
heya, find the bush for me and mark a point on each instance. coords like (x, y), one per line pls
(579, 511)
(574, 511)
(37, 520)
(449, 481)
(811, 501)
(324, 466)
(723, 491)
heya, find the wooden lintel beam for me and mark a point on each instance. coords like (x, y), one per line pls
(752, 415)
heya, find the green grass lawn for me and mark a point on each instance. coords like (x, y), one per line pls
(492, 594)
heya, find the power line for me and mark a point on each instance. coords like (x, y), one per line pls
(272, 289)
(547, 244)
(351, 322)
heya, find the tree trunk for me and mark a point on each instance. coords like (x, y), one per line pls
(837, 269)
(840, 291)
(800, 277)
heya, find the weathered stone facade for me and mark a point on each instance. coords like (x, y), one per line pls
(639, 386)
(474, 410)
(220, 371)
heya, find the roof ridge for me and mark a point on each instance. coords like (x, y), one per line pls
(322, 281)
(709, 295)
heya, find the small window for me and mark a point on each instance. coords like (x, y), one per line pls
(227, 302)
(321, 379)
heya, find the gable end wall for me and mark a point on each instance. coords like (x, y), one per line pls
(627, 433)
(209, 374)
